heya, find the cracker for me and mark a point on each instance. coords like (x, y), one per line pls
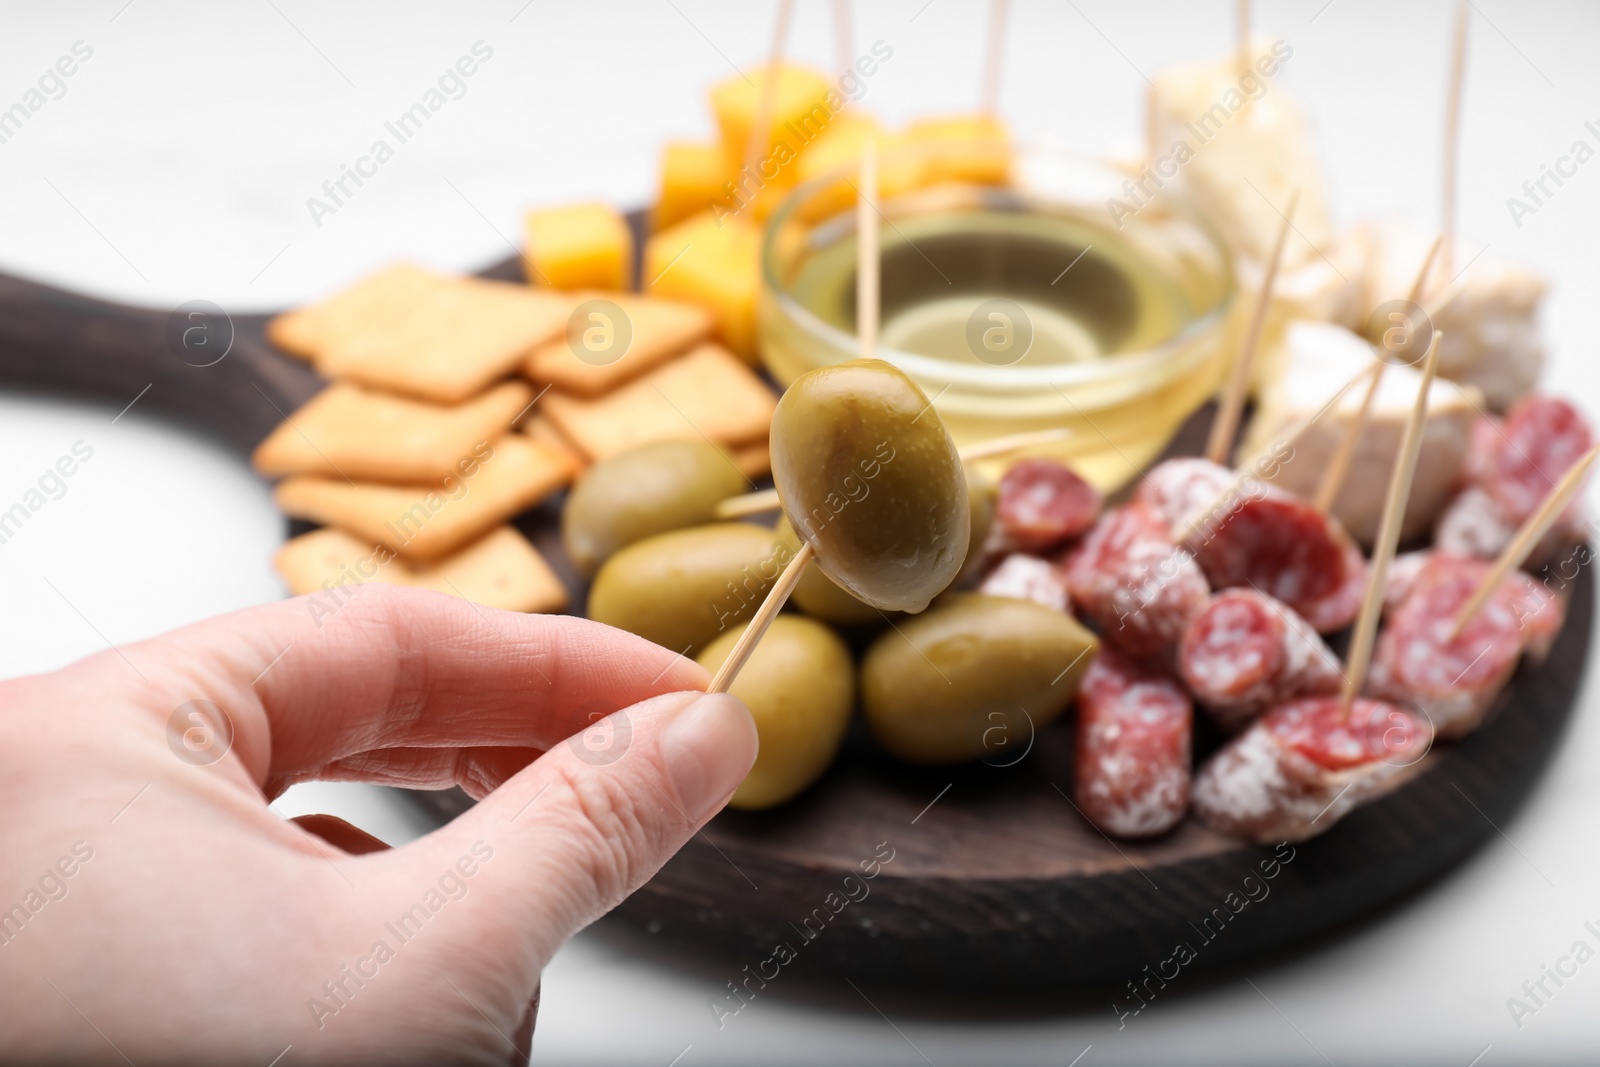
(346, 431)
(544, 431)
(582, 363)
(425, 335)
(501, 480)
(499, 570)
(306, 331)
(706, 393)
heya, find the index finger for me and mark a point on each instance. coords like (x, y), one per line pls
(406, 669)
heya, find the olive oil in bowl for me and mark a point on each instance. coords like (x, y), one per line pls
(1015, 310)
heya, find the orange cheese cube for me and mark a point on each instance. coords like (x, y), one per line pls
(693, 178)
(713, 263)
(963, 148)
(578, 246)
(900, 169)
(805, 104)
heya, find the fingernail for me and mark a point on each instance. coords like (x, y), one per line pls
(707, 750)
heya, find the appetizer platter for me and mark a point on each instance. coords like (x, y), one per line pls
(1049, 690)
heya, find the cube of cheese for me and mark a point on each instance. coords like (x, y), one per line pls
(1490, 315)
(713, 262)
(1319, 358)
(805, 104)
(839, 149)
(972, 148)
(1241, 147)
(579, 246)
(693, 178)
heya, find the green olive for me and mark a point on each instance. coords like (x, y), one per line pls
(983, 498)
(683, 588)
(871, 481)
(665, 485)
(820, 596)
(972, 678)
(800, 685)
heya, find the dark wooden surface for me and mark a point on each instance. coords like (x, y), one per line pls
(999, 883)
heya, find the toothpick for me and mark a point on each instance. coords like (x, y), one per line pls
(867, 326)
(841, 36)
(761, 620)
(1452, 137)
(767, 102)
(1231, 406)
(738, 507)
(989, 95)
(1394, 509)
(1522, 544)
(1016, 442)
(1339, 465)
(867, 265)
(1241, 27)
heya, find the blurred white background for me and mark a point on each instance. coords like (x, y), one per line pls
(177, 166)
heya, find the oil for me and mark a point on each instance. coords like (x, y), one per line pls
(1014, 317)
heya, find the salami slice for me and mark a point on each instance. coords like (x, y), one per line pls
(1027, 577)
(1178, 489)
(1246, 652)
(1339, 609)
(1136, 587)
(1303, 766)
(1134, 735)
(1403, 572)
(1279, 545)
(1043, 503)
(1454, 682)
(1543, 437)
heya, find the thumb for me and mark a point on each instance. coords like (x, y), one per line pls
(592, 819)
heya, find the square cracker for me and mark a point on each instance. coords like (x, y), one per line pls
(425, 522)
(543, 430)
(499, 570)
(659, 329)
(346, 431)
(306, 331)
(707, 392)
(425, 335)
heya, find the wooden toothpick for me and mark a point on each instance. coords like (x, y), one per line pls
(867, 323)
(1339, 465)
(1394, 508)
(1231, 405)
(989, 95)
(759, 623)
(1452, 137)
(738, 507)
(841, 36)
(867, 264)
(1241, 28)
(767, 102)
(1527, 536)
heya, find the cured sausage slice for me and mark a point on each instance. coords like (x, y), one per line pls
(1281, 546)
(1026, 577)
(1044, 503)
(1454, 681)
(1134, 734)
(1303, 766)
(1129, 579)
(1339, 609)
(1246, 652)
(1178, 489)
(1543, 437)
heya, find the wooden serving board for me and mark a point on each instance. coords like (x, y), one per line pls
(995, 880)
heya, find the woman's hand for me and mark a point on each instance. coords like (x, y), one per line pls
(154, 909)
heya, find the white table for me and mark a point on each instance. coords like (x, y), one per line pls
(177, 166)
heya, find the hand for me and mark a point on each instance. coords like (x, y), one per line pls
(154, 909)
